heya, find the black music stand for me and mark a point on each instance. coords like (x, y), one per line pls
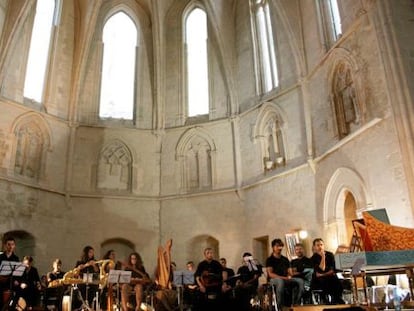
(12, 268)
(119, 277)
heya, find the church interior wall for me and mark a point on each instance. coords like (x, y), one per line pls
(79, 198)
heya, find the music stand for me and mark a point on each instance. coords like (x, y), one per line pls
(119, 277)
(12, 268)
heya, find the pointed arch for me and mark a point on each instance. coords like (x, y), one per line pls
(196, 154)
(114, 169)
(32, 141)
(269, 131)
(347, 94)
(343, 181)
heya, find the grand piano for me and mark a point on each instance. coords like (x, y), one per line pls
(383, 249)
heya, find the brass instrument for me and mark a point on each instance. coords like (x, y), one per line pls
(70, 277)
(104, 267)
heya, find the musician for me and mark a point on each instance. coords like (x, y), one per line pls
(324, 277)
(280, 276)
(30, 283)
(248, 282)
(209, 277)
(88, 269)
(87, 264)
(9, 247)
(139, 279)
(302, 266)
(55, 291)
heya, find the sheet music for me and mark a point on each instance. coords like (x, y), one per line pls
(9, 267)
(119, 276)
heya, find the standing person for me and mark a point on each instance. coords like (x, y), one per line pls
(209, 278)
(30, 283)
(139, 279)
(6, 282)
(280, 276)
(325, 277)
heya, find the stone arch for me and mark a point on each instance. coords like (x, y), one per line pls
(121, 246)
(25, 242)
(114, 168)
(197, 244)
(196, 153)
(31, 142)
(269, 131)
(347, 94)
(344, 181)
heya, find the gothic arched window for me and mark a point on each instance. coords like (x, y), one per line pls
(118, 69)
(329, 21)
(46, 15)
(265, 46)
(345, 100)
(196, 39)
(114, 167)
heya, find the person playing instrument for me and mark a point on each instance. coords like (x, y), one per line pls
(324, 277)
(209, 277)
(87, 269)
(139, 279)
(56, 272)
(54, 291)
(280, 276)
(247, 284)
(9, 247)
(30, 283)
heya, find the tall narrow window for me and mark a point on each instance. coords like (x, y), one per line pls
(330, 21)
(335, 18)
(118, 68)
(265, 46)
(39, 50)
(197, 64)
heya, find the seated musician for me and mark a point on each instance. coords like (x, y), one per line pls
(209, 277)
(54, 290)
(247, 284)
(6, 285)
(139, 279)
(107, 292)
(87, 270)
(324, 277)
(30, 283)
(302, 266)
(280, 276)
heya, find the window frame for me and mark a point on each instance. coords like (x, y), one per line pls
(271, 52)
(187, 11)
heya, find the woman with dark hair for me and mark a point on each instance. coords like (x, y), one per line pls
(88, 270)
(139, 279)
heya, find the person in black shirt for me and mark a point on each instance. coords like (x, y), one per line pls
(248, 281)
(30, 283)
(6, 282)
(280, 276)
(88, 270)
(302, 266)
(209, 277)
(325, 277)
